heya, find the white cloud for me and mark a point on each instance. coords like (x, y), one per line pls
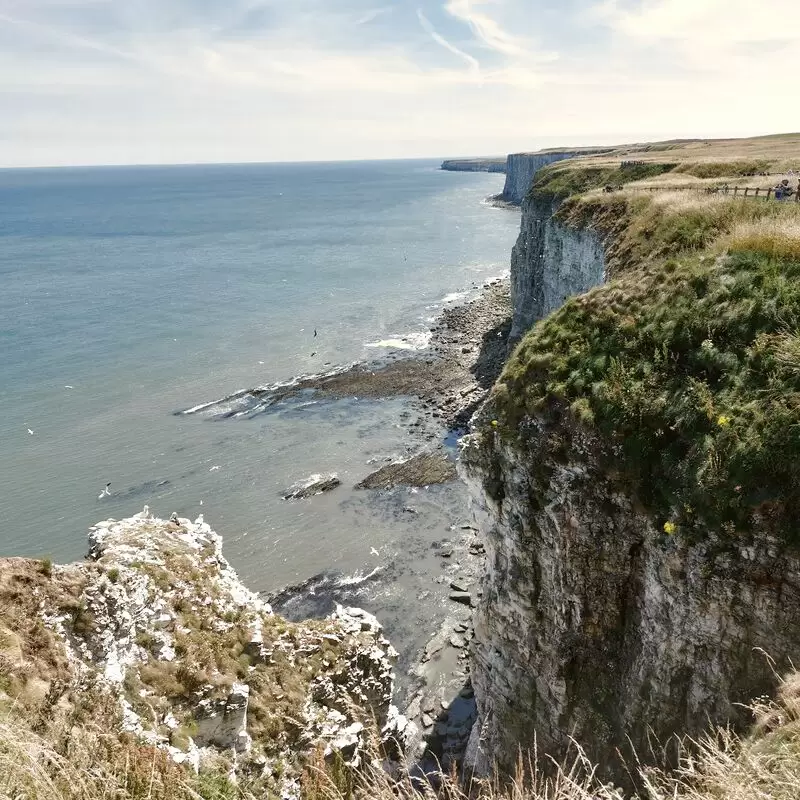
(440, 40)
(700, 26)
(64, 37)
(487, 29)
(116, 81)
(373, 14)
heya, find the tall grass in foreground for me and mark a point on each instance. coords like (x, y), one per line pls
(92, 766)
(722, 766)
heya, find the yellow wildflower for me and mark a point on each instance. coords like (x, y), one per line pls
(494, 423)
(669, 527)
(722, 420)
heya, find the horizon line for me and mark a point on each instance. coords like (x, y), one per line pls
(151, 164)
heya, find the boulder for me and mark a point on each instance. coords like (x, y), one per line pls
(465, 598)
(312, 485)
(223, 724)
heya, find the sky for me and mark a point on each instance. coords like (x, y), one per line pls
(185, 81)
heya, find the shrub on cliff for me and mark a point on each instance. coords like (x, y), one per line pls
(688, 361)
(559, 181)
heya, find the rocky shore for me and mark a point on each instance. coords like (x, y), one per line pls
(450, 378)
(467, 352)
(448, 381)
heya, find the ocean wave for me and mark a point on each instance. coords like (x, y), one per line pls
(247, 402)
(454, 297)
(317, 596)
(358, 578)
(407, 341)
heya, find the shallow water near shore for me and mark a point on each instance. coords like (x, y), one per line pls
(131, 294)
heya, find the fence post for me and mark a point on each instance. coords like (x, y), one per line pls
(769, 193)
(757, 191)
(735, 190)
(746, 190)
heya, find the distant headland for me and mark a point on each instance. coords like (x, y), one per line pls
(475, 164)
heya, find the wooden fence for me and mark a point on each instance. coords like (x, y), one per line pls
(746, 191)
(733, 191)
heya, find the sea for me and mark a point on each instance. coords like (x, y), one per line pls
(131, 297)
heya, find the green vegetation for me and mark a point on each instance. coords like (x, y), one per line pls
(724, 169)
(563, 180)
(688, 361)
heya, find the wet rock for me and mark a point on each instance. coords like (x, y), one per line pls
(424, 469)
(459, 586)
(458, 641)
(312, 485)
(465, 598)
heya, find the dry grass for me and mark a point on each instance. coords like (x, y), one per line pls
(776, 238)
(781, 152)
(641, 226)
(92, 765)
(722, 766)
(678, 202)
(34, 670)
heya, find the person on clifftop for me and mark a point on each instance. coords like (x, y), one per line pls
(783, 191)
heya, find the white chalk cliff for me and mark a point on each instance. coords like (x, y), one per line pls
(594, 623)
(160, 630)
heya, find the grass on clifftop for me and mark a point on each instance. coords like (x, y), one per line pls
(562, 181)
(688, 360)
(94, 765)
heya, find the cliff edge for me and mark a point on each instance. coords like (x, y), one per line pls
(635, 471)
(154, 638)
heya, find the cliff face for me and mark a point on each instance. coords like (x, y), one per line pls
(614, 607)
(521, 169)
(596, 625)
(155, 635)
(549, 263)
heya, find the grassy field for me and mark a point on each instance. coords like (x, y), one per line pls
(779, 151)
